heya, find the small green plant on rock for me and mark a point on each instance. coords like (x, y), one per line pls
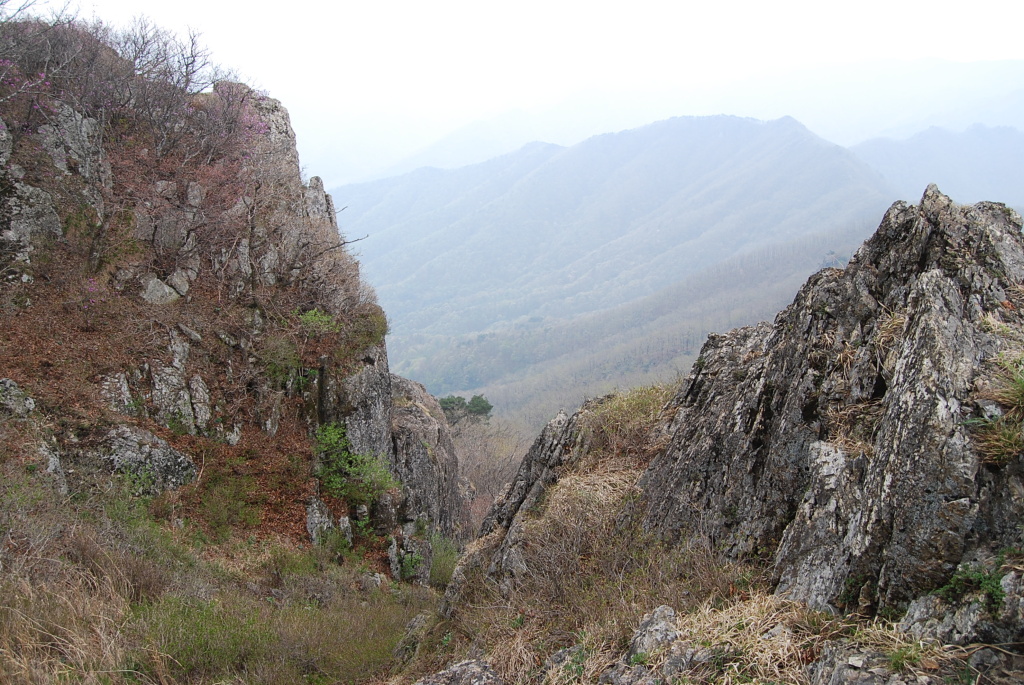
(906, 656)
(976, 579)
(410, 565)
(356, 478)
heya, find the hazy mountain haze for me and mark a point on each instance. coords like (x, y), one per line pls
(844, 104)
(981, 163)
(593, 264)
(551, 231)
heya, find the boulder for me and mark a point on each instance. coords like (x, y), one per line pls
(472, 672)
(150, 463)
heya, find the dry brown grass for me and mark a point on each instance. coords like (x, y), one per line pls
(621, 424)
(767, 639)
(93, 590)
(1000, 438)
(590, 574)
(887, 337)
(851, 427)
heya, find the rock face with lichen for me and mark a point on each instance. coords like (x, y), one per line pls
(425, 458)
(842, 441)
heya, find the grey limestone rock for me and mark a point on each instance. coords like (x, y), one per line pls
(153, 464)
(6, 144)
(318, 202)
(472, 672)
(27, 214)
(318, 519)
(117, 392)
(73, 143)
(842, 665)
(345, 528)
(13, 400)
(424, 458)
(836, 440)
(656, 632)
(362, 402)
(155, 291)
(973, 617)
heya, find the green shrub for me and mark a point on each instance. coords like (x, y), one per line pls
(410, 565)
(976, 579)
(287, 562)
(905, 657)
(225, 504)
(356, 478)
(280, 359)
(367, 329)
(316, 323)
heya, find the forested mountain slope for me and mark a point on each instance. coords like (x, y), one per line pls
(530, 370)
(544, 235)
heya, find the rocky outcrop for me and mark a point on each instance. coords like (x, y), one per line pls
(27, 215)
(424, 459)
(73, 143)
(13, 400)
(499, 549)
(837, 442)
(361, 401)
(228, 254)
(845, 444)
(151, 464)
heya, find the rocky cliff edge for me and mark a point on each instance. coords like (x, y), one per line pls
(865, 447)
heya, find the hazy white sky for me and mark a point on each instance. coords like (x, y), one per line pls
(382, 77)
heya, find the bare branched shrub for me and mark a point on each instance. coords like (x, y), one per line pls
(489, 455)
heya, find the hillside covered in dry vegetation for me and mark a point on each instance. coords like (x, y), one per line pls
(209, 474)
(194, 385)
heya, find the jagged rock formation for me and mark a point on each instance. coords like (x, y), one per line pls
(849, 444)
(836, 441)
(471, 672)
(425, 458)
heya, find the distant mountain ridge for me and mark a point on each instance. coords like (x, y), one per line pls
(980, 163)
(524, 244)
(550, 231)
